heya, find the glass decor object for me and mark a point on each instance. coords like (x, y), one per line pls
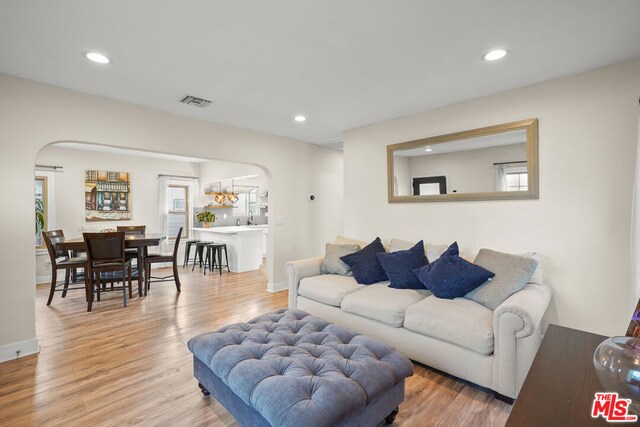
(617, 365)
(219, 197)
(233, 197)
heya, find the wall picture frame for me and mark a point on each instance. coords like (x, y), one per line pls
(107, 196)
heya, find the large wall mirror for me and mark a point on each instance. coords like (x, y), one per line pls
(492, 163)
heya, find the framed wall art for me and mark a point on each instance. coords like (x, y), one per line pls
(107, 196)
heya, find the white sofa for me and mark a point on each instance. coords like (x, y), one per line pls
(493, 349)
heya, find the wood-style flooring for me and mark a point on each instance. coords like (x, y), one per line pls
(122, 366)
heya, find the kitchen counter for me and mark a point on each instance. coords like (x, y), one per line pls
(244, 244)
(233, 229)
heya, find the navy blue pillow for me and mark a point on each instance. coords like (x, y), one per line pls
(364, 264)
(399, 266)
(451, 276)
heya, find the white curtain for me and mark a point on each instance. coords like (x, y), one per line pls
(501, 177)
(635, 228)
(163, 211)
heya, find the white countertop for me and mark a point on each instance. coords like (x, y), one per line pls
(234, 229)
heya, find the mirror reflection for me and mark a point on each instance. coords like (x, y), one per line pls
(490, 162)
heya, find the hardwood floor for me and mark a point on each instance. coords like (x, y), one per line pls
(123, 366)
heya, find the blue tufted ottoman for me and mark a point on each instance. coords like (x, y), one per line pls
(288, 368)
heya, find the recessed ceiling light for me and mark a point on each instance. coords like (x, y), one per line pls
(494, 55)
(300, 118)
(428, 149)
(97, 57)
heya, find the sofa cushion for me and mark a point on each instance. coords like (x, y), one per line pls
(382, 303)
(451, 276)
(328, 289)
(512, 272)
(536, 277)
(432, 251)
(341, 240)
(435, 251)
(399, 266)
(399, 245)
(459, 321)
(365, 265)
(332, 264)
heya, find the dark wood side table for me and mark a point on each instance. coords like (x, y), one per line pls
(561, 383)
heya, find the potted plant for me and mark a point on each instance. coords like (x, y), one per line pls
(39, 216)
(206, 218)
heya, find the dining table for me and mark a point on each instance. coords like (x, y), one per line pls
(141, 242)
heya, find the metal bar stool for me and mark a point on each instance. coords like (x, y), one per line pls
(198, 257)
(187, 251)
(210, 258)
(216, 249)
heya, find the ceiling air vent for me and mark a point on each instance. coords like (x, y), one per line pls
(195, 101)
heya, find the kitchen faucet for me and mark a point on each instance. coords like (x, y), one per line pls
(250, 218)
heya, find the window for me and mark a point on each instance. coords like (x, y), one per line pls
(178, 208)
(512, 176)
(517, 181)
(42, 209)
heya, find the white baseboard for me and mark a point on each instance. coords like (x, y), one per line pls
(25, 348)
(277, 287)
(43, 279)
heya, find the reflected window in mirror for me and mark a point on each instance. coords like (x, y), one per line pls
(511, 176)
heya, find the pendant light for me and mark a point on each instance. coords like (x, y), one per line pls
(219, 197)
(233, 197)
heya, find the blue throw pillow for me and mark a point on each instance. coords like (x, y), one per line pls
(399, 266)
(364, 264)
(451, 276)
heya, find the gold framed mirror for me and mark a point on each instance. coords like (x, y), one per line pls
(492, 163)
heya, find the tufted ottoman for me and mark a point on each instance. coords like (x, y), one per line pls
(288, 368)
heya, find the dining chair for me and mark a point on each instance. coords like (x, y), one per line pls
(135, 230)
(106, 254)
(163, 258)
(60, 260)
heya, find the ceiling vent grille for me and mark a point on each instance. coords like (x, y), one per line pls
(195, 101)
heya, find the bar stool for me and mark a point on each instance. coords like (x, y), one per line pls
(210, 257)
(198, 256)
(187, 250)
(213, 250)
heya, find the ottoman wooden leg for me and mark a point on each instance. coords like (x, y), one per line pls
(392, 416)
(205, 391)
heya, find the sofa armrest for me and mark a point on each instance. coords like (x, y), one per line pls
(298, 270)
(517, 335)
(529, 305)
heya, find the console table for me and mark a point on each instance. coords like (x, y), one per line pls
(561, 383)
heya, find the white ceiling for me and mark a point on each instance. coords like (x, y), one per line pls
(344, 64)
(469, 144)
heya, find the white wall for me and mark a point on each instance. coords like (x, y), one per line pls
(33, 115)
(69, 190)
(581, 223)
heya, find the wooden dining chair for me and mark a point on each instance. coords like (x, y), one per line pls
(135, 230)
(106, 254)
(163, 258)
(60, 260)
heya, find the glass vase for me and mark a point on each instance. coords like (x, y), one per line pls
(617, 365)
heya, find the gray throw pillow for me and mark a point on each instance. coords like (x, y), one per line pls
(512, 272)
(332, 263)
